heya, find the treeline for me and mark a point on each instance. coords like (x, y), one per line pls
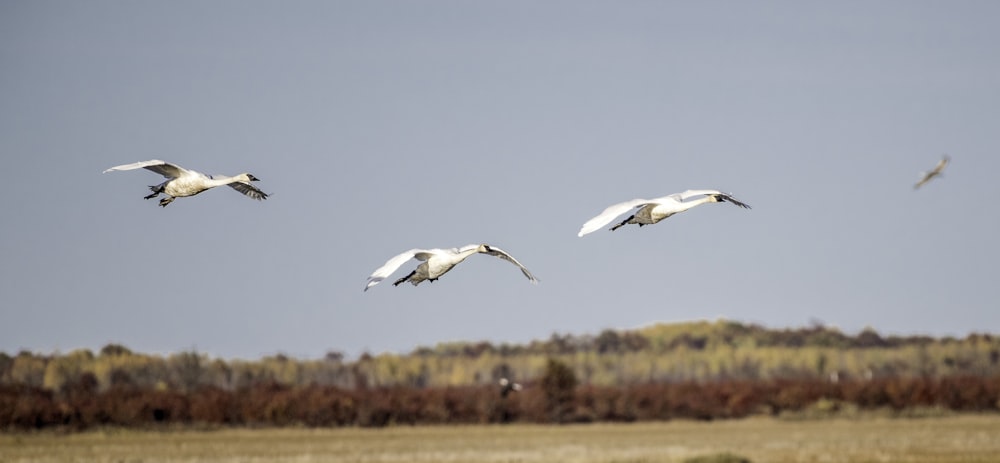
(685, 352)
(556, 397)
(701, 370)
(690, 370)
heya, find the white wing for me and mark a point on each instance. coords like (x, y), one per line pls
(249, 190)
(609, 214)
(497, 252)
(163, 168)
(392, 265)
(684, 195)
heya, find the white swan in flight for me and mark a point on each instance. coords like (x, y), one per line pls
(437, 262)
(651, 211)
(183, 182)
(938, 169)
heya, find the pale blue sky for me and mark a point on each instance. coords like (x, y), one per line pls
(384, 126)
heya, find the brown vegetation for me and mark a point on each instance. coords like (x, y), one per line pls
(26, 407)
(696, 370)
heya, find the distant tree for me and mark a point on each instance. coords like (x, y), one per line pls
(631, 341)
(421, 378)
(559, 344)
(477, 349)
(58, 371)
(870, 338)
(557, 384)
(508, 350)
(187, 370)
(84, 385)
(219, 374)
(121, 378)
(5, 363)
(821, 363)
(423, 351)
(361, 371)
(28, 369)
(607, 342)
(115, 350)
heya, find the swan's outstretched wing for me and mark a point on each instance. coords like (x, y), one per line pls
(497, 252)
(724, 197)
(249, 190)
(730, 199)
(163, 168)
(390, 266)
(684, 195)
(609, 214)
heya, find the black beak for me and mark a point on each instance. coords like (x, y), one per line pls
(253, 179)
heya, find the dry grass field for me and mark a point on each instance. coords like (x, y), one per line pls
(960, 438)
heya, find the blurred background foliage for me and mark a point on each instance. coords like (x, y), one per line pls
(700, 369)
(696, 351)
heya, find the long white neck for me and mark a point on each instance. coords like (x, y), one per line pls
(219, 180)
(697, 202)
(465, 254)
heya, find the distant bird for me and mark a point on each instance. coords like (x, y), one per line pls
(651, 211)
(936, 172)
(507, 386)
(182, 182)
(437, 262)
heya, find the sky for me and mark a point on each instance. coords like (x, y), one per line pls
(383, 126)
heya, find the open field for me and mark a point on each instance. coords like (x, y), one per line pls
(961, 438)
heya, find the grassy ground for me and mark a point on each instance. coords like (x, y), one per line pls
(965, 438)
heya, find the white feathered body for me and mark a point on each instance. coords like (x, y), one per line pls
(437, 262)
(183, 182)
(651, 211)
(664, 207)
(194, 182)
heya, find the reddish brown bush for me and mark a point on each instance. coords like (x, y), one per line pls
(213, 405)
(81, 406)
(27, 407)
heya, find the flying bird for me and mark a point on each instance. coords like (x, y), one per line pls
(936, 172)
(650, 211)
(437, 262)
(507, 386)
(182, 182)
